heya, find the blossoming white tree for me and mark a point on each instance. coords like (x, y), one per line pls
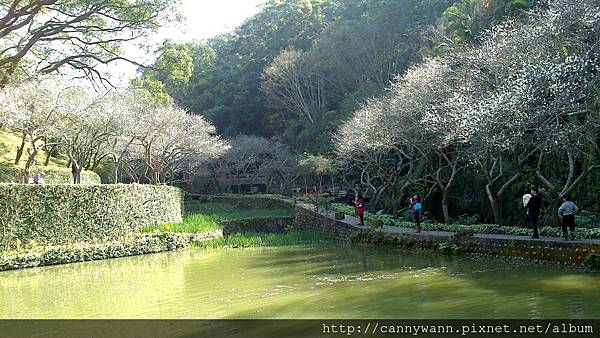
(170, 137)
(31, 108)
(523, 92)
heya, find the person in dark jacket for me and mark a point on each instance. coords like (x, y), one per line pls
(534, 208)
(74, 173)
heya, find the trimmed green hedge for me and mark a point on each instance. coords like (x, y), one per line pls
(494, 229)
(62, 214)
(52, 175)
(246, 201)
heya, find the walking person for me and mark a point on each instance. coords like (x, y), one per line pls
(74, 173)
(416, 207)
(534, 208)
(360, 209)
(567, 210)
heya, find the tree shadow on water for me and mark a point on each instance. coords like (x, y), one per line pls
(353, 282)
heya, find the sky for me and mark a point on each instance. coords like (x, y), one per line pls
(202, 19)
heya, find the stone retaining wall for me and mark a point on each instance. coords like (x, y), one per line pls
(305, 218)
(244, 201)
(261, 225)
(568, 253)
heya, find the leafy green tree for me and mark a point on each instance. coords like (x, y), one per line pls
(467, 19)
(46, 35)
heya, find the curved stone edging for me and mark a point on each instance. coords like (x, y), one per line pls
(552, 250)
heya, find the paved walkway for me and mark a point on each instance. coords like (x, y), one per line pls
(352, 220)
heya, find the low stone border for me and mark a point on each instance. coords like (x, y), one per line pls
(139, 244)
(562, 252)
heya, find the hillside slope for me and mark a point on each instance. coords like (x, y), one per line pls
(56, 172)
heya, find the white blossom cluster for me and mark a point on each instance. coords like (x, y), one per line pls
(529, 81)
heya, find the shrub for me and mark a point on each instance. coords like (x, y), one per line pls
(62, 214)
(587, 219)
(593, 261)
(137, 244)
(450, 247)
(468, 219)
(52, 175)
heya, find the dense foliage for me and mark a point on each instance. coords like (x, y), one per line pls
(63, 214)
(461, 101)
(297, 68)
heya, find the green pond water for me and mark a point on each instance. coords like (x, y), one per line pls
(299, 282)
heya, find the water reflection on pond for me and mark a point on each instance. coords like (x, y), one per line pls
(299, 282)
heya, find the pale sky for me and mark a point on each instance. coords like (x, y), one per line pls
(203, 19)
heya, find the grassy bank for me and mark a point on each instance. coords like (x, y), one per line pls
(203, 217)
(293, 237)
(56, 172)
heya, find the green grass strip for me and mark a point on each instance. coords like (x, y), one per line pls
(256, 239)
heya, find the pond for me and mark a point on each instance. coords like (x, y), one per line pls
(299, 282)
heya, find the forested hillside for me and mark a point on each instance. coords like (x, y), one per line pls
(299, 68)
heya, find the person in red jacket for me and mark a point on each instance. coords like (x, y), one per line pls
(360, 207)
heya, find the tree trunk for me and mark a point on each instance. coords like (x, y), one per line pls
(116, 172)
(305, 185)
(332, 184)
(48, 154)
(554, 205)
(21, 148)
(445, 208)
(495, 204)
(377, 194)
(395, 203)
(29, 165)
(78, 174)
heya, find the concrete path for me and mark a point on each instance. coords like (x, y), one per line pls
(352, 220)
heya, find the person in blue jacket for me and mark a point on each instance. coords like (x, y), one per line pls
(416, 207)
